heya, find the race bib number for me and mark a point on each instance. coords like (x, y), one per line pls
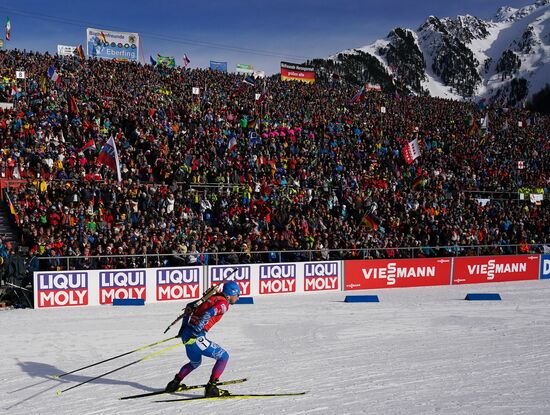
(203, 343)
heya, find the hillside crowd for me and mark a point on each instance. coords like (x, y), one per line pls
(224, 177)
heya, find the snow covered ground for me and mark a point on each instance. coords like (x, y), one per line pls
(418, 351)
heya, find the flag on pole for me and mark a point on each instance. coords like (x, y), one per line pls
(79, 52)
(43, 87)
(8, 28)
(153, 62)
(370, 221)
(232, 143)
(358, 96)
(109, 156)
(411, 151)
(186, 60)
(53, 75)
(418, 182)
(485, 122)
(102, 37)
(89, 145)
(73, 107)
(249, 80)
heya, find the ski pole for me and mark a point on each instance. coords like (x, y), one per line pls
(112, 358)
(207, 294)
(59, 391)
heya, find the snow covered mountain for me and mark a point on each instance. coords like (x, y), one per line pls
(505, 58)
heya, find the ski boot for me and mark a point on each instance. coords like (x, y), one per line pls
(174, 385)
(211, 390)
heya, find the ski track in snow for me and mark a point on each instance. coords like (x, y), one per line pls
(418, 351)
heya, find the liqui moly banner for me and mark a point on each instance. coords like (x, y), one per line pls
(545, 267)
(383, 273)
(178, 283)
(60, 289)
(277, 278)
(296, 72)
(321, 276)
(241, 274)
(474, 270)
(122, 284)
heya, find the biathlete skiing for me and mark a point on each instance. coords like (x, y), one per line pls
(193, 335)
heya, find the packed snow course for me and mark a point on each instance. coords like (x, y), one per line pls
(419, 351)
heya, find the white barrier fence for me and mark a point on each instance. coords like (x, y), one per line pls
(100, 287)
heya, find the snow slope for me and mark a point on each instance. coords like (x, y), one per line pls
(418, 351)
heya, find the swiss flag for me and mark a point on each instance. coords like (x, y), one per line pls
(411, 151)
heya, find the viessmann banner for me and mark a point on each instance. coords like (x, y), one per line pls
(296, 72)
(384, 273)
(107, 44)
(475, 270)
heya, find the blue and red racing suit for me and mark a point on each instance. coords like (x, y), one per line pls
(195, 327)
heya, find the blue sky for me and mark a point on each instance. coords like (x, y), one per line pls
(270, 31)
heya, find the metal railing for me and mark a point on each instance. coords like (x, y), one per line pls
(60, 263)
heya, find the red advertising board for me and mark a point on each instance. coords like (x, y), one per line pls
(384, 273)
(295, 72)
(475, 270)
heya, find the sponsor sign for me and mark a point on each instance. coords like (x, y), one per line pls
(218, 66)
(20, 74)
(296, 72)
(196, 90)
(373, 87)
(108, 44)
(246, 69)
(277, 279)
(241, 276)
(474, 270)
(545, 267)
(321, 276)
(61, 289)
(65, 50)
(383, 273)
(177, 283)
(121, 284)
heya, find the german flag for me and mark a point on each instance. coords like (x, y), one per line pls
(102, 37)
(370, 221)
(79, 52)
(473, 128)
(13, 211)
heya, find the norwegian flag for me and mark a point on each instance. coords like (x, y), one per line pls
(411, 151)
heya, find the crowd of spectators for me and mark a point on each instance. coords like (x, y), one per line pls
(302, 168)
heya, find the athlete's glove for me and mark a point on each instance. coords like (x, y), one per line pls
(190, 340)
